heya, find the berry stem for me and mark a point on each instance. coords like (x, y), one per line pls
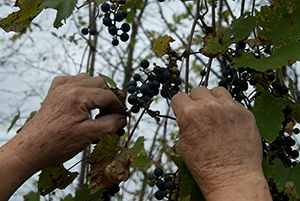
(208, 71)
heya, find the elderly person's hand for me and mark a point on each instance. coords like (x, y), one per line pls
(220, 144)
(60, 129)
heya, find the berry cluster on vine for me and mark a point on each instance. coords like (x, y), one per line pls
(282, 146)
(110, 191)
(111, 23)
(164, 182)
(143, 90)
(113, 15)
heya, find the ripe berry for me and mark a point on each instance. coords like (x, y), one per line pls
(159, 195)
(284, 90)
(93, 31)
(107, 21)
(161, 0)
(136, 77)
(171, 185)
(124, 37)
(158, 172)
(115, 42)
(131, 89)
(160, 184)
(276, 85)
(132, 99)
(145, 64)
(202, 73)
(125, 27)
(135, 109)
(124, 14)
(84, 31)
(119, 16)
(209, 30)
(253, 81)
(105, 7)
(271, 77)
(113, 30)
(120, 132)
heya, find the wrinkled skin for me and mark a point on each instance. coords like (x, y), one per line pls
(219, 142)
(60, 129)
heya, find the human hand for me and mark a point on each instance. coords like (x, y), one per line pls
(219, 142)
(62, 128)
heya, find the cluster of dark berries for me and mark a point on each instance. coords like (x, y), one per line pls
(110, 191)
(86, 31)
(236, 81)
(114, 11)
(276, 195)
(283, 143)
(164, 182)
(140, 94)
(277, 86)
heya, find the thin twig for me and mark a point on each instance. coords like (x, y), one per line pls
(188, 47)
(213, 13)
(208, 71)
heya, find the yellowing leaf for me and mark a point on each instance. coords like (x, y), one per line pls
(162, 45)
(19, 21)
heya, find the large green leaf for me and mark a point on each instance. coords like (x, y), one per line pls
(54, 177)
(280, 28)
(18, 21)
(268, 114)
(287, 178)
(64, 9)
(240, 29)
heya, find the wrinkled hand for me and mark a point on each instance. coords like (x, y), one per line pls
(62, 128)
(219, 139)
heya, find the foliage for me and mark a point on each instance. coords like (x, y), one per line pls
(255, 45)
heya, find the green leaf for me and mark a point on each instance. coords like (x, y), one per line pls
(268, 114)
(239, 30)
(279, 28)
(108, 80)
(67, 198)
(64, 9)
(14, 121)
(54, 177)
(32, 196)
(287, 179)
(268, 170)
(105, 149)
(212, 47)
(138, 146)
(30, 116)
(19, 21)
(141, 161)
(85, 195)
(188, 185)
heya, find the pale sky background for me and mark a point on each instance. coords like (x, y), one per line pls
(26, 76)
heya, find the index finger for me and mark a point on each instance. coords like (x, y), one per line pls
(59, 80)
(178, 101)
